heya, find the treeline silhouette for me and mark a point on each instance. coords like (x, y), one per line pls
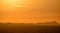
(29, 27)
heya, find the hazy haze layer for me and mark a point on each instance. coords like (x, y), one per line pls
(29, 10)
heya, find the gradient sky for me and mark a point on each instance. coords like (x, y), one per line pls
(29, 11)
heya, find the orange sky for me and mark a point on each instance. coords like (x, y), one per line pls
(29, 10)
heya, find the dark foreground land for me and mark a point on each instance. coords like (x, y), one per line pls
(28, 28)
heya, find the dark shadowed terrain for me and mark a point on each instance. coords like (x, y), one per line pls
(29, 28)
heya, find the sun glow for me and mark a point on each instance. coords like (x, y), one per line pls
(10, 1)
(14, 3)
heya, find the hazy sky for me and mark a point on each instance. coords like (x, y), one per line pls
(29, 10)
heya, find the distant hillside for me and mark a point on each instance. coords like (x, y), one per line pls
(49, 23)
(38, 23)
